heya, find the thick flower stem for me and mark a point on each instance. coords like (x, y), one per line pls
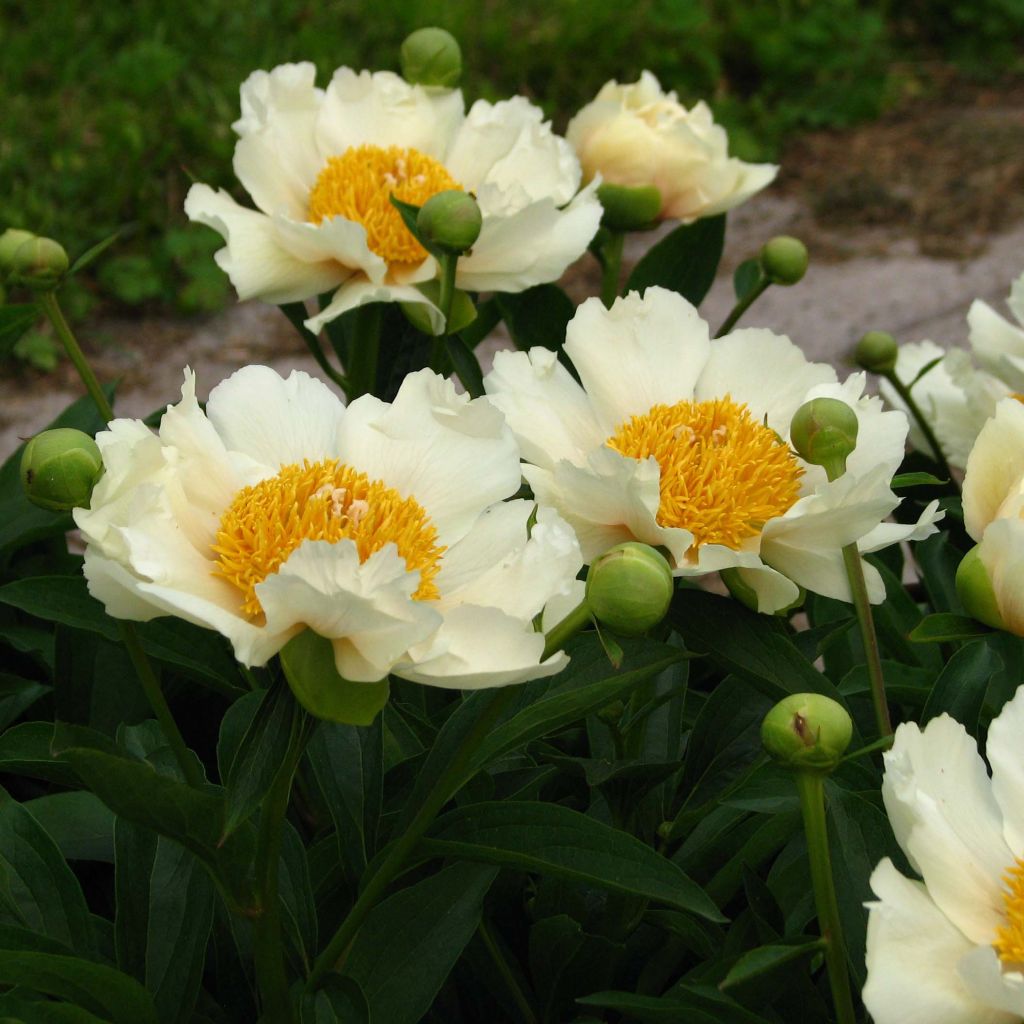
(743, 305)
(450, 781)
(268, 948)
(296, 314)
(869, 638)
(612, 266)
(903, 391)
(811, 787)
(365, 351)
(50, 306)
(559, 634)
(438, 353)
(189, 766)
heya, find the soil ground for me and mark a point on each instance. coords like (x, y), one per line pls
(908, 220)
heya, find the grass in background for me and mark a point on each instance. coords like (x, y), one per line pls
(111, 109)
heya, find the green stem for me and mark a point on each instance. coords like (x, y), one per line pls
(296, 314)
(743, 305)
(51, 307)
(518, 996)
(811, 787)
(449, 782)
(868, 636)
(562, 632)
(268, 947)
(903, 391)
(611, 267)
(364, 350)
(439, 351)
(883, 744)
(187, 762)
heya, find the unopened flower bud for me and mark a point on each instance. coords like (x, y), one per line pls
(876, 352)
(824, 433)
(629, 208)
(59, 469)
(10, 242)
(431, 56)
(39, 263)
(784, 260)
(975, 590)
(807, 731)
(629, 588)
(450, 220)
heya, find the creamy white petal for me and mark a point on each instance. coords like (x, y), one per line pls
(276, 420)
(641, 352)
(940, 804)
(357, 291)
(995, 989)
(1005, 753)
(498, 565)
(1002, 553)
(480, 647)
(453, 455)
(885, 534)
(773, 590)
(508, 146)
(765, 371)
(366, 608)
(258, 265)
(995, 468)
(334, 238)
(286, 89)
(997, 344)
(530, 246)
(913, 952)
(381, 109)
(546, 408)
(278, 164)
(562, 604)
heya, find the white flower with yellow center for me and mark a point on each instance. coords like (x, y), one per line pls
(321, 166)
(380, 526)
(680, 442)
(951, 950)
(636, 135)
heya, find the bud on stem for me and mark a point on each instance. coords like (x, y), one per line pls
(629, 588)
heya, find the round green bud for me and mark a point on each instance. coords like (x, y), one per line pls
(975, 590)
(824, 432)
(59, 469)
(629, 209)
(784, 260)
(807, 731)
(39, 263)
(876, 352)
(431, 56)
(10, 242)
(629, 588)
(450, 221)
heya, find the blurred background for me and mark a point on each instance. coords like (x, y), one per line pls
(899, 127)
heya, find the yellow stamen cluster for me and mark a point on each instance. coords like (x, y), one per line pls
(1009, 943)
(320, 501)
(358, 186)
(723, 474)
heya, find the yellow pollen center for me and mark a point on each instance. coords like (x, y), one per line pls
(1009, 943)
(723, 474)
(320, 501)
(358, 186)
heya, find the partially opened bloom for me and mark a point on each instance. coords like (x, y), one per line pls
(951, 950)
(994, 510)
(680, 442)
(321, 166)
(374, 525)
(636, 135)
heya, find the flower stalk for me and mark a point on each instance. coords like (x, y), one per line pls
(743, 305)
(611, 266)
(364, 352)
(907, 398)
(296, 313)
(449, 262)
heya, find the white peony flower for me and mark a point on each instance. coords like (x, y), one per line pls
(951, 950)
(998, 344)
(636, 135)
(679, 441)
(375, 526)
(321, 166)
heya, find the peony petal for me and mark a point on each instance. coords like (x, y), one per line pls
(641, 352)
(885, 534)
(998, 345)
(334, 238)
(358, 292)
(1003, 751)
(259, 266)
(995, 468)
(546, 409)
(366, 608)
(912, 956)
(993, 987)
(1002, 553)
(455, 658)
(275, 420)
(943, 813)
(286, 90)
(453, 455)
(773, 590)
